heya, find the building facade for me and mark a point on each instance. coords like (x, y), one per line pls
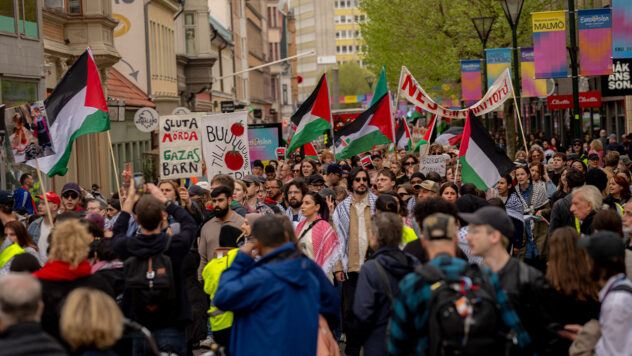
(349, 44)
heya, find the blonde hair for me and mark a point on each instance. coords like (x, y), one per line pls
(90, 318)
(70, 243)
(596, 145)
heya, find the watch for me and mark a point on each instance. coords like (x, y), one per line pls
(168, 202)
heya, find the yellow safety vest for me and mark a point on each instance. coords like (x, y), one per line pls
(577, 225)
(620, 210)
(8, 253)
(219, 319)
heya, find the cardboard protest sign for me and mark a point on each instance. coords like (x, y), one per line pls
(225, 144)
(367, 162)
(435, 163)
(180, 149)
(280, 153)
(27, 129)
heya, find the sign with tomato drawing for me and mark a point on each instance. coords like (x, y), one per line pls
(180, 146)
(225, 144)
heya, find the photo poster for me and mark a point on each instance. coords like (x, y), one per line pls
(436, 163)
(263, 140)
(225, 144)
(26, 132)
(180, 146)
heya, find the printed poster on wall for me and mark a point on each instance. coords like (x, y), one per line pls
(595, 42)
(225, 144)
(531, 87)
(180, 150)
(549, 44)
(471, 80)
(498, 59)
(622, 29)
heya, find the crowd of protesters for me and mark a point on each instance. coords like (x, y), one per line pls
(306, 257)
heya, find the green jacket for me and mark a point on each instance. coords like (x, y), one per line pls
(220, 320)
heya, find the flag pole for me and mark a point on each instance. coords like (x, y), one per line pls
(118, 185)
(43, 188)
(513, 92)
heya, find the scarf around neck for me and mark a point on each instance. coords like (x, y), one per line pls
(61, 271)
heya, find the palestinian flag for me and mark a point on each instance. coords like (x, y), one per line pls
(309, 151)
(428, 136)
(313, 117)
(76, 107)
(402, 135)
(451, 137)
(372, 127)
(442, 125)
(482, 164)
(415, 114)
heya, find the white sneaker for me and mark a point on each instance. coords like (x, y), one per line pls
(207, 343)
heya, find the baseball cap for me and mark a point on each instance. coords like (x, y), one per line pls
(430, 185)
(204, 185)
(492, 216)
(52, 198)
(593, 156)
(249, 178)
(603, 246)
(439, 226)
(576, 140)
(315, 178)
(196, 190)
(328, 192)
(520, 162)
(6, 198)
(71, 187)
(626, 160)
(334, 168)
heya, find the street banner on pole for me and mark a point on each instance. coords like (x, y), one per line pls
(496, 95)
(531, 87)
(471, 79)
(621, 29)
(225, 144)
(549, 44)
(595, 42)
(180, 150)
(498, 59)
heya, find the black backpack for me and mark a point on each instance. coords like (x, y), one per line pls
(150, 285)
(454, 328)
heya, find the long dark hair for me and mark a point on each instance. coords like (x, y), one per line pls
(323, 211)
(509, 180)
(24, 239)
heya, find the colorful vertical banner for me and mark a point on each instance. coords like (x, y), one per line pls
(621, 29)
(498, 59)
(471, 79)
(549, 44)
(531, 87)
(595, 42)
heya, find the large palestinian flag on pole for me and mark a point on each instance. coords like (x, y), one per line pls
(482, 163)
(402, 135)
(76, 107)
(313, 117)
(371, 128)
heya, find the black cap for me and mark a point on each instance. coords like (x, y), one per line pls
(576, 140)
(228, 236)
(603, 246)
(492, 216)
(593, 156)
(196, 190)
(315, 178)
(334, 168)
(6, 198)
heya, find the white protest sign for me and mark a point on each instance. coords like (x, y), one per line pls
(180, 148)
(146, 119)
(435, 163)
(225, 144)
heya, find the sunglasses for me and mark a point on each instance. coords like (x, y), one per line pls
(296, 170)
(72, 195)
(361, 179)
(577, 144)
(417, 186)
(402, 195)
(374, 186)
(408, 163)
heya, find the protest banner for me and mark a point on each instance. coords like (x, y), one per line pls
(225, 144)
(367, 162)
(595, 42)
(496, 95)
(27, 129)
(549, 44)
(180, 150)
(436, 163)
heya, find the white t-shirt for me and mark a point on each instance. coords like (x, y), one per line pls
(42, 244)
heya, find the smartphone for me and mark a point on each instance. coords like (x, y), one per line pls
(139, 182)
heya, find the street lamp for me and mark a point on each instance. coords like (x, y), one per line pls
(369, 80)
(512, 9)
(483, 26)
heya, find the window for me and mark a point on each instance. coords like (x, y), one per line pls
(357, 34)
(337, 49)
(357, 48)
(7, 17)
(16, 92)
(337, 34)
(27, 18)
(284, 94)
(336, 19)
(355, 18)
(189, 33)
(343, 19)
(362, 17)
(74, 7)
(349, 3)
(344, 49)
(355, 3)
(335, 4)
(342, 4)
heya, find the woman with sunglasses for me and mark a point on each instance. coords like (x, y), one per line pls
(408, 164)
(404, 191)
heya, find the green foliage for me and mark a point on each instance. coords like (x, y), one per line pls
(352, 79)
(430, 37)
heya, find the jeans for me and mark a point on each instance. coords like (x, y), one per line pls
(353, 346)
(171, 340)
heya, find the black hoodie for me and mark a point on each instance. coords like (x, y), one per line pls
(145, 246)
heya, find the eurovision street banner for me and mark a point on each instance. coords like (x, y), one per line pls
(471, 80)
(549, 44)
(621, 29)
(225, 144)
(595, 42)
(498, 59)
(180, 150)
(496, 95)
(531, 87)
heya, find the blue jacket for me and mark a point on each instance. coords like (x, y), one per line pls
(276, 302)
(22, 198)
(371, 305)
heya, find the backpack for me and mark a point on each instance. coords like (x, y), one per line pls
(151, 287)
(463, 315)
